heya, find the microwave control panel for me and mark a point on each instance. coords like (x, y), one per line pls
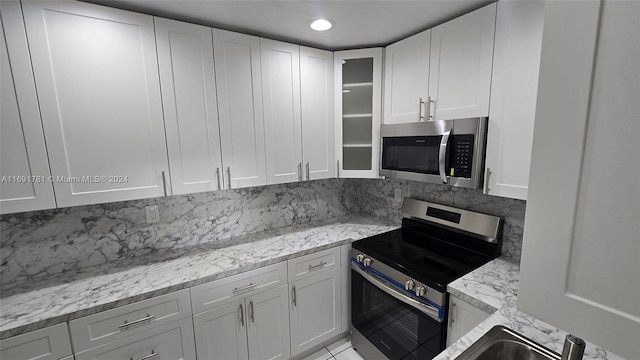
(461, 156)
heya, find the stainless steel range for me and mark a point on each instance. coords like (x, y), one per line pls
(399, 278)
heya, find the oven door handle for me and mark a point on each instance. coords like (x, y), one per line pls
(442, 156)
(428, 310)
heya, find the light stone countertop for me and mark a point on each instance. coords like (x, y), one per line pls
(494, 288)
(69, 296)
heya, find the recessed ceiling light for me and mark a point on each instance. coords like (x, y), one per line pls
(321, 24)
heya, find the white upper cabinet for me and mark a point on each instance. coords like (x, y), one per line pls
(282, 118)
(318, 137)
(460, 67)
(96, 73)
(406, 79)
(185, 59)
(584, 195)
(239, 86)
(24, 166)
(514, 88)
(358, 97)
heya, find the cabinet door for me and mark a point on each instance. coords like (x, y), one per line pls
(239, 85)
(185, 59)
(24, 165)
(316, 310)
(460, 68)
(406, 79)
(282, 119)
(50, 343)
(221, 333)
(268, 325)
(514, 88)
(316, 86)
(462, 318)
(96, 74)
(173, 341)
(584, 227)
(358, 97)
(345, 269)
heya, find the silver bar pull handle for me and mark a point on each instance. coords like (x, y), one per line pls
(430, 107)
(294, 301)
(300, 171)
(308, 177)
(164, 184)
(253, 320)
(486, 181)
(338, 169)
(442, 155)
(236, 291)
(148, 357)
(218, 177)
(128, 325)
(316, 267)
(229, 175)
(241, 315)
(420, 116)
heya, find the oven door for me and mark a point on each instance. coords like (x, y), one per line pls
(397, 325)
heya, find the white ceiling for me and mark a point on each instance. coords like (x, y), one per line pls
(358, 23)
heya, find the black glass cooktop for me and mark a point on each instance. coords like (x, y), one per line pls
(429, 254)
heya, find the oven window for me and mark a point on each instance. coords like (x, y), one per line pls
(411, 153)
(396, 329)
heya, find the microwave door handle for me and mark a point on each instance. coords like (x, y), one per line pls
(442, 155)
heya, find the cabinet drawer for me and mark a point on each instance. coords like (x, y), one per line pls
(50, 343)
(307, 265)
(219, 292)
(112, 325)
(173, 341)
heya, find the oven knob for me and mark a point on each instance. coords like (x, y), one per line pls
(409, 285)
(420, 291)
(359, 258)
(367, 261)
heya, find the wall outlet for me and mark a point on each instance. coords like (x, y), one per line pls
(397, 194)
(153, 216)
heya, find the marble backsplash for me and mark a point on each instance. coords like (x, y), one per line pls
(376, 197)
(34, 245)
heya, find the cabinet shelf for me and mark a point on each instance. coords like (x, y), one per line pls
(357, 85)
(356, 145)
(356, 116)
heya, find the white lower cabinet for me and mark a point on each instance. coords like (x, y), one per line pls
(316, 310)
(173, 341)
(462, 318)
(126, 321)
(345, 263)
(50, 343)
(256, 327)
(268, 325)
(221, 332)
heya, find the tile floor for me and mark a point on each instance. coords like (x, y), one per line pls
(339, 350)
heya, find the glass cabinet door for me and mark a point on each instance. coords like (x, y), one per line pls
(358, 107)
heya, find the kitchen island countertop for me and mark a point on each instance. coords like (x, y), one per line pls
(64, 297)
(494, 289)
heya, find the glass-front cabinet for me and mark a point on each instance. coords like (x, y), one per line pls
(358, 81)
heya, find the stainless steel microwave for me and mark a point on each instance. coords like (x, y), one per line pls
(442, 151)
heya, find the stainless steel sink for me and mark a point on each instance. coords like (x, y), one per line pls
(501, 343)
